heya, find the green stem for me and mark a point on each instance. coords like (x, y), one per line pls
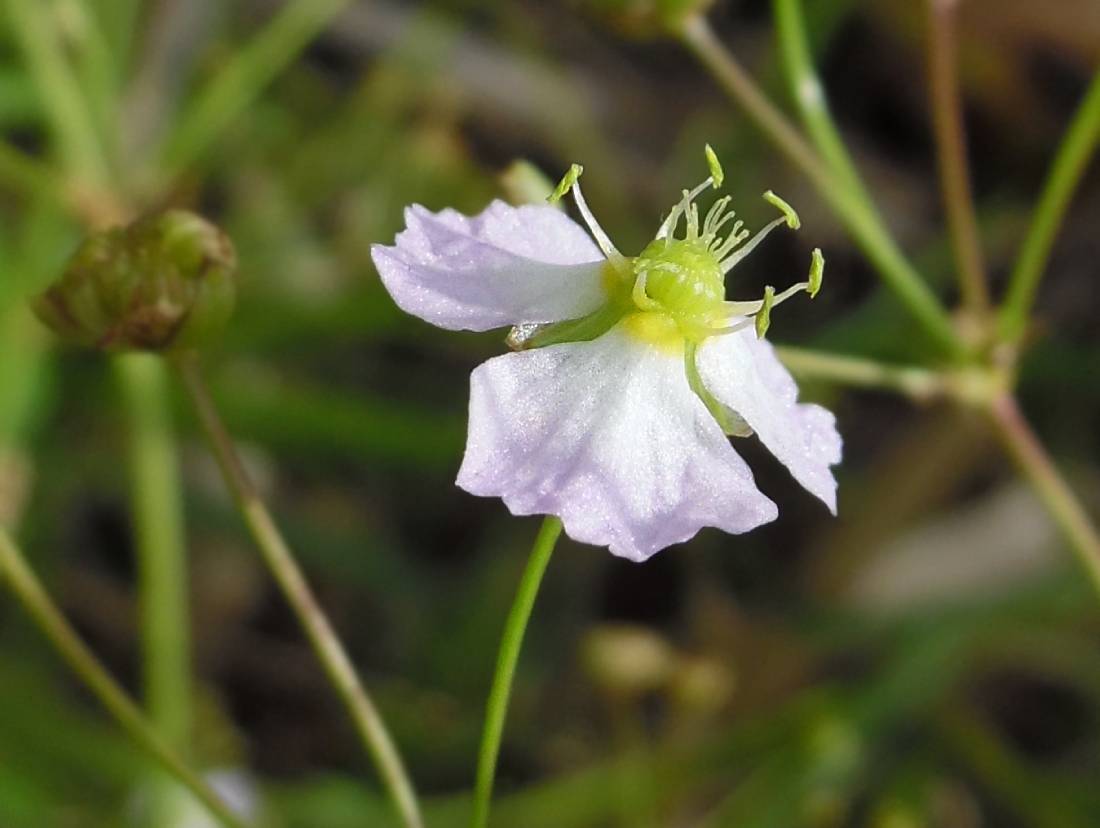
(77, 138)
(954, 169)
(842, 195)
(809, 96)
(1069, 164)
(22, 581)
(162, 560)
(514, 629)
(326, 644)
(247, 73)
(1037, 467)
(916, 383)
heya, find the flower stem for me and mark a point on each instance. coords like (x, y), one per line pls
(292, 582)
(1069, 164)
(1035, 464)
(78, 141)
(840, 190)
(510, 644)
(916, 383)
(951, 144)
(162, 560)
(22, 581)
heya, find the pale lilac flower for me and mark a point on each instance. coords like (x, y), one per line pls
(629, 374)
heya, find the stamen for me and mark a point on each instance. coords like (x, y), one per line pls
(764, 317)
(567, 181)
(715, 168)
(817, 272)
(594, 228)
(793, 220)
(729, 329)
(728, 263)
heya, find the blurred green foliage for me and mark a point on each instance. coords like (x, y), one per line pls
(924, 660)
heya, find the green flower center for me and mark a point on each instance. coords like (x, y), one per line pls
(682, 277)
(673, 293)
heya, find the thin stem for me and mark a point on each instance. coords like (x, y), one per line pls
(916, 383)
(700, 39)
(1035, 464)
(162, 560)
(512, 641)
(292, 582)
(954, 168)
(22, 581)
(77, 139)
(862, 221)
(247, 73)
(809, 96)
(1065, 173)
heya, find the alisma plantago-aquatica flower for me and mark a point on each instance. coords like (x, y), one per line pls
(628, 374)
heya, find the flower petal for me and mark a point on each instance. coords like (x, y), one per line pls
(744, 374)
(506, 266)
(608, 436)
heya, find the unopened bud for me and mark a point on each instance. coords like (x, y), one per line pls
(164, 282)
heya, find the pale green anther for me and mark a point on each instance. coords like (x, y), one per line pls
(788, 211)
(566, 184)
(715, 167)
(763, 317)
(817, 271)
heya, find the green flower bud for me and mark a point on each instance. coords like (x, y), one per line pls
(164, 282)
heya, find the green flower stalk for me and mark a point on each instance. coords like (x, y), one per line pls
(162, 283)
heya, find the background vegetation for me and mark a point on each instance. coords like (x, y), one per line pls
(929, 658)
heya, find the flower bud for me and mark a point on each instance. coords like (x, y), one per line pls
(164, 282)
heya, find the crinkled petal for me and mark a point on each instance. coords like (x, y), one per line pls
(608, 436)
(505, 266)
(744, 374)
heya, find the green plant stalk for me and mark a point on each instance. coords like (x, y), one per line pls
(951, 152)
(157, 503)
(512, 641)
(1039, 470)
(279, 560)
(916, 383)
(45, 614)
(247, 73)
(78, 141)
(809, 97)
(1069, 164)
(860, 219)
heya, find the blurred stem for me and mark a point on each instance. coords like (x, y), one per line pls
(162, 560)
(22, 581)
(916, 383)
(1065, 173)
(284, 569)
(951, 151)
(511, 643)
(247, 73)
(1035, 464)
(77, 139)
(838, 183)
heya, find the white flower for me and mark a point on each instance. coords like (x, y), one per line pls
(613, 412)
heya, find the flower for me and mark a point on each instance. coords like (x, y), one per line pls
(628, 375)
